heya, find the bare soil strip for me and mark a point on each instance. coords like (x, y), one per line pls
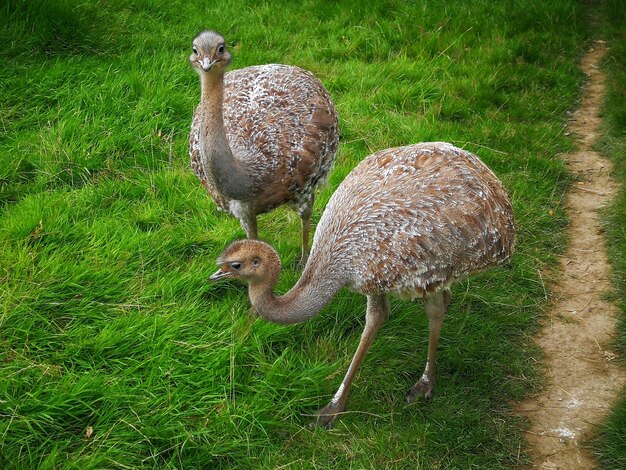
(584, 379)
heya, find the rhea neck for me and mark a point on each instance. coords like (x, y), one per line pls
(304, 301)
(228, 174)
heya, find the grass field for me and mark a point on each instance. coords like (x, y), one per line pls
(115, 352)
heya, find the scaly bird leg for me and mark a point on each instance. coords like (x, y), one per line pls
(249, 225)
(377, 313)
(436, 306)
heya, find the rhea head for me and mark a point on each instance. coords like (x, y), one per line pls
(251, 261)
(209, 52)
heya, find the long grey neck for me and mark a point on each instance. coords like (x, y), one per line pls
(304, 301)
(228, 174)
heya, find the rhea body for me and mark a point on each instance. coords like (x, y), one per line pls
(406, 221)
(261, 136)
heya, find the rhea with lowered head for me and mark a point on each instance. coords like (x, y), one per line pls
(261, 136)
(406, 221)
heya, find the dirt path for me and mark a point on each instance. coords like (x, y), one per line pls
(584, 381)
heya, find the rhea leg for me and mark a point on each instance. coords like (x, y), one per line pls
(377, 312)
(247, 217)
(249, 225)
(436, 305)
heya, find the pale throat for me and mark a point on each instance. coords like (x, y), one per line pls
(211, 98)
(212, 89)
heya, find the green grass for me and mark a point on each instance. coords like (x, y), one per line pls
(610, 441)
(106, 317)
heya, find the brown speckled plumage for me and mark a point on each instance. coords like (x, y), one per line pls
(280, 127)
(406, 221)
(413, 219)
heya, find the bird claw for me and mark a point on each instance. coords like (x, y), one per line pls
(321, 423)
(325, 417)
(420, 389)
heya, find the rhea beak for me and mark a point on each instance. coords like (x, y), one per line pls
(219, 274)
(206, 63)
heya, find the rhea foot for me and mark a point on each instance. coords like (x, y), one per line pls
(327, 415)
(423, 388)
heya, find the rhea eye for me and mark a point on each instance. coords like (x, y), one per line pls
(235, 265)
(195, 51)
(220, 49)
(256, 261)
